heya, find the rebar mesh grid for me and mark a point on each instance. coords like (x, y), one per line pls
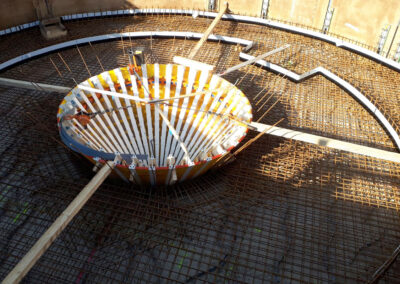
(283, 211)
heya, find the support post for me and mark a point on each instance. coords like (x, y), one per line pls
(152, 171)
(171, 177)
(264, 9)
(328, 18)
(394, 36)
(134, 175)
(382, 39)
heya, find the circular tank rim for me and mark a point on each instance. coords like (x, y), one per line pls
(128, 158)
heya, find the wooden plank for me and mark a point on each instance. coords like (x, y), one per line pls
(44, 242)
(167, 92)
(192, 63)
(156, 107)
(108, 93)
(253, 60)
(328, 142)
(208, 31)
(183, 96)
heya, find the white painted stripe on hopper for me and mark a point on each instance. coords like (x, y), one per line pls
(226, 126)
(121, 81)
(165, 111)
(180, 74)
(202, 81)
(141, 120)
(196, 127)
(182, 113)
(156, 115)
(107, 145)
(81, 135)
(99, 118)
(216, 130)
(205, 128)
(87, 135)
(128, 142)
(108, 93)
(98, 85)
(145, 86)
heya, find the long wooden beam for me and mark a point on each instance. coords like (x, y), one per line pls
(208, 31)
(111, 93)
(44, 242)
(253, 60)
(184, 96)
(33, 86)
(328, 142)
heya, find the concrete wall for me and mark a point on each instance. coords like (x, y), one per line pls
(364, 20)
(306, 12)
(360, 20)
(16, 12)
(251, 8)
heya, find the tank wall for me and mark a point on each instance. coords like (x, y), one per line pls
(360, 20)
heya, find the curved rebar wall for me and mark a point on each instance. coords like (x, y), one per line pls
(363, 100)
(338, 42)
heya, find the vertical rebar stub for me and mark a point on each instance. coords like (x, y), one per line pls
(136, 56)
